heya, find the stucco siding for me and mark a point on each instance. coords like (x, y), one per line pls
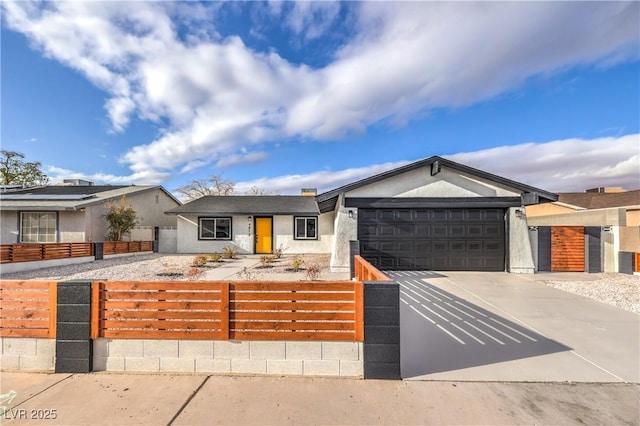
(420, 183)
(71, 227)
(188, 236)
(283, 228)
(243, 235)
(9, 225)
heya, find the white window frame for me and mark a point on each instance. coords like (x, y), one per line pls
(306, 219)
(215, 226)
(42, 234)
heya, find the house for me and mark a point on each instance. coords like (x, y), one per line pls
(608, 219)
(73, 212)
(431, 214)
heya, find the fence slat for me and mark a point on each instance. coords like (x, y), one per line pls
(294, 296)
(288, 335)
(291, 306)
(160, 334)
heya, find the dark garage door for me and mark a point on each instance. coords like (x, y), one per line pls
(439, 239)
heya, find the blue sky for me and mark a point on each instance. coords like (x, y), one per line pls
(285, 95)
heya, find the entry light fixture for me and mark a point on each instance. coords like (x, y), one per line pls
(350, 214)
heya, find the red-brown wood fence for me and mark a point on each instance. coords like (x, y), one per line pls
(567, 248)
(365, 271)
(120, 247)
(27, 309)
(30, 252)
(637, 268)
(242, 310)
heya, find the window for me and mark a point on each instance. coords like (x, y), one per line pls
(214, 228)
(306, 228)
(38, 227)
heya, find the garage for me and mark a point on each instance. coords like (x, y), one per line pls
(446, 239)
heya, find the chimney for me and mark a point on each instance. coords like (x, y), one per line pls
(309, 192)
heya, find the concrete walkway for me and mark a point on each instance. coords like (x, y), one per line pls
(118, 399)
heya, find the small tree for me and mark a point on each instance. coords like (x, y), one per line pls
(121, 218)
(215, 185)
(14, 170)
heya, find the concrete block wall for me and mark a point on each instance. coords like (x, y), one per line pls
(27, 354)
(338, 359)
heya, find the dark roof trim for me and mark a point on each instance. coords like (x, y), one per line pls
(444, 202)
(327, 200)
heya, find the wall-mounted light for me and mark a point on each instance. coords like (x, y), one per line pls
(606, 228)
(520, 213)
(350, 214)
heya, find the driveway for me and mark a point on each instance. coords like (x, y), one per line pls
(506, 327)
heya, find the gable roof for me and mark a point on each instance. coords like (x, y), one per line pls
(328, 199)
(601, 200)
(249, 205)
(61, 197)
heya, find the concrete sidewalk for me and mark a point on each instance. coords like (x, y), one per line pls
(119, 399)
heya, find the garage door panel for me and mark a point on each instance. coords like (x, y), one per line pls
(446, 239)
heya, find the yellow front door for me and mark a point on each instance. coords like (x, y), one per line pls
(264, 233)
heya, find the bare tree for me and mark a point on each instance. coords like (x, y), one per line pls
(254, 190)
(215, 185)
(14, 170)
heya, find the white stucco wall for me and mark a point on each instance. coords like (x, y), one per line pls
(241, 231)
(283, 228)
(243, 236)
(420, 183)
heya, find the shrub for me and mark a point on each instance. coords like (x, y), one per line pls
(247, 274)
(313, 271)
(200, 260)
(279, 252)
(266, 260)
(296, 263)
(193, 273)
(214, 257)
(230, 252)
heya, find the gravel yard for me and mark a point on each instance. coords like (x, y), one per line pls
(618, 290)
(152, 267)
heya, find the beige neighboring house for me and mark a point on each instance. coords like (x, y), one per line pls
(73, 212)
(615, 211)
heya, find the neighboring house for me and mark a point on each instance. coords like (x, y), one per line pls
(431, 214)
(610, 217)
(74, 212)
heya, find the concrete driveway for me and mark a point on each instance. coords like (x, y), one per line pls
(504, 327)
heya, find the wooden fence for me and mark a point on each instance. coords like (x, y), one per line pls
(228, 310)
(120, 247)
(30, 252)
(365, 271)
(637, 268)
(27, 309)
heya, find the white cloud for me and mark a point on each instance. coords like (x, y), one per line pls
(216, 94)
(569, 165)
(243, 158)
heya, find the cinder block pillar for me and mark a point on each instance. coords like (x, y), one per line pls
(544, 248)
(98, 250)
(74, 347)
(381, 348)
(592, 249)
(626, 262)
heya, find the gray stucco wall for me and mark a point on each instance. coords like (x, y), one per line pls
(346, 229)
(520, 255)
(9, 224)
